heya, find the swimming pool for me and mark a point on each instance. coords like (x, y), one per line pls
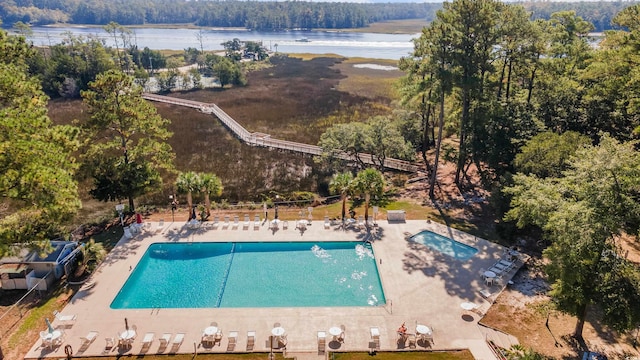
(253, 274)
(445, 245)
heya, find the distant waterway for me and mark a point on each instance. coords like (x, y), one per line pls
(348, 44)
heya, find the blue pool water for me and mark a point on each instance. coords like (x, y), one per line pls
(445, 245)
(232, 275)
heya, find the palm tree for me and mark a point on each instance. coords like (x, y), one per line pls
(187, 183)
(92, 254)
(211, 185)
(342, 184)
(369, 182)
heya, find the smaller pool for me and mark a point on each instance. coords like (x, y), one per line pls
(445, 245)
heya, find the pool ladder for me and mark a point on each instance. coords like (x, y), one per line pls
(226, 275)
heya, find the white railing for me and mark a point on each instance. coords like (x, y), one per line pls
(255, 139)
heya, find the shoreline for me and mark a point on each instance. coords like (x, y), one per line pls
(410, 26)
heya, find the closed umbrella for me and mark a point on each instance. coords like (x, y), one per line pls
(126, 324)
(49, 327)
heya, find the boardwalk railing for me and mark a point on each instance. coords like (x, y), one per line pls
(265, 140)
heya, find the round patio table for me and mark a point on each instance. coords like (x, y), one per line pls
(210, 330)
(423, 330)
(489, 274)
(335, 331)
(128, 334)
(468, 306)
(54, 335)
(278, 331)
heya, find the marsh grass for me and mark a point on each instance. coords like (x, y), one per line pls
(374, 84)
(309, 56)
(410, 26)
(292, 99)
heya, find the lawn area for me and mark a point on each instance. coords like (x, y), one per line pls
(452, 355)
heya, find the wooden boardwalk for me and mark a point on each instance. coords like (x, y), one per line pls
(265, 140)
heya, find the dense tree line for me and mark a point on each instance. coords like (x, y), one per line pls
(263, 15)
(551, 123)
(599, 13)
(247, 14)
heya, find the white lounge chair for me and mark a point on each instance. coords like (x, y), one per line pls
(374, 344)
(327, 223)
(46, 339)
(251, 340)
(88, 339)
(375, 334)
(193, 224)
(109, 344)
(233, 339)
(322, 342)
(502, 267)
(66, 319)
(147, 340)
(301, 225)
(164, 341)
(236, 222)
(247, 222)
(256, 222)
(361, 222)
(216, 221)
(160, 225)
(285, 225)
(225, 224)
(177, 341)
(487, 295)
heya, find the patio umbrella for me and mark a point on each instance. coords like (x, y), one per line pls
(126, 324)
(138, 218)
(49, 327)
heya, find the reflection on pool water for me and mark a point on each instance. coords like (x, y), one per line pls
(445, 245)
(254, 274)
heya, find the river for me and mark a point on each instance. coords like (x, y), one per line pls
(348, 44)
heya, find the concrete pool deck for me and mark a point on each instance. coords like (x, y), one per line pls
(421, 286)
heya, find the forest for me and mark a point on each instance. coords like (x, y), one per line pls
(552, 124)
(263, 15)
